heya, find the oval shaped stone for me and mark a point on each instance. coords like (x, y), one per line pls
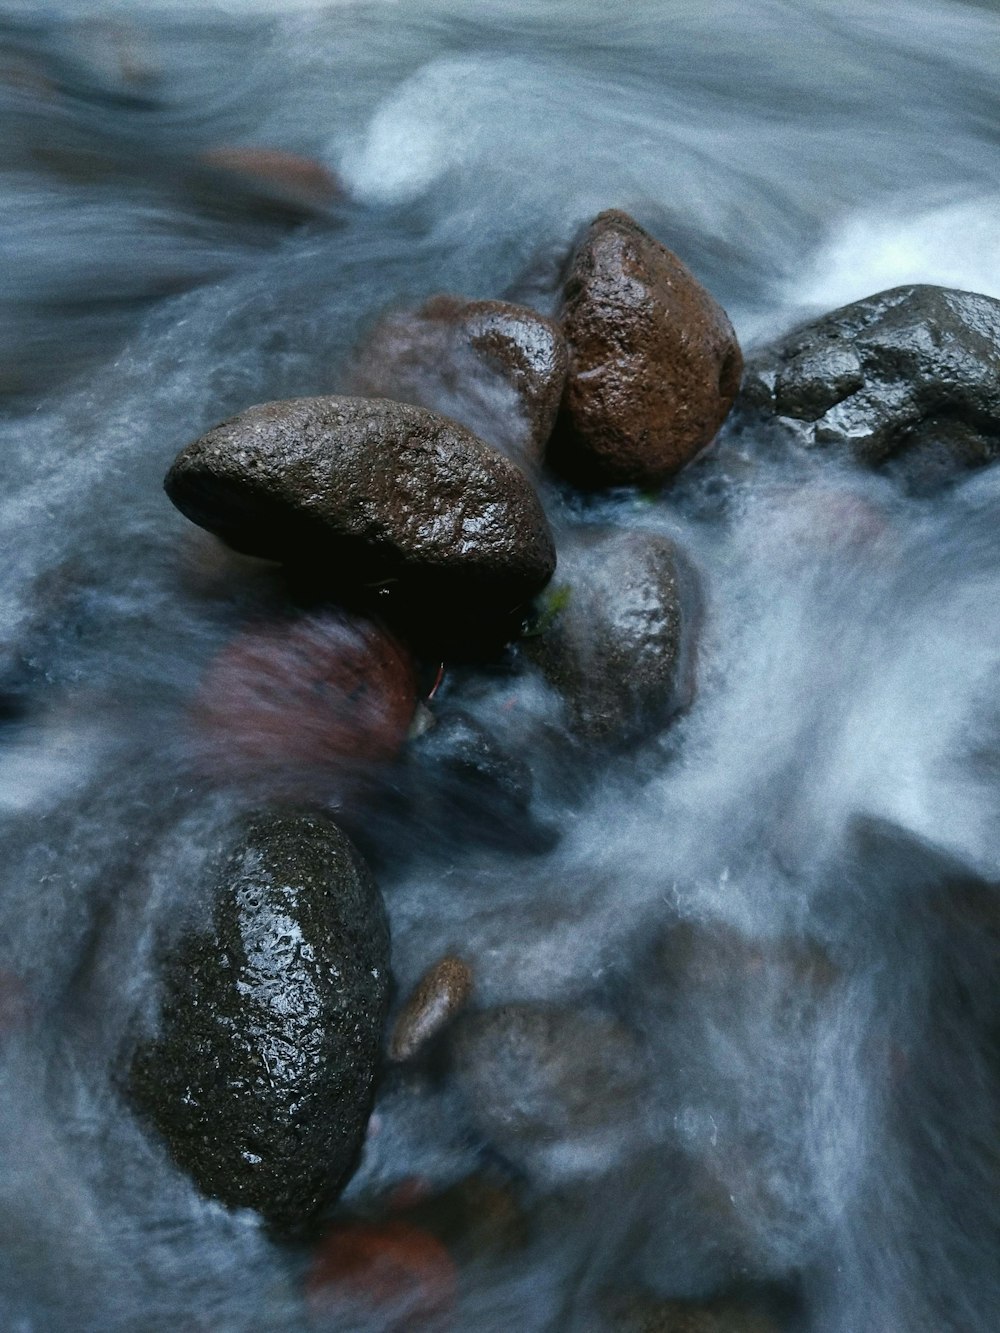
(372, 495)
(654, 364)
(261, 1075)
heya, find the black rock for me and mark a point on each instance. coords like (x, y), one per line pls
(617, 637)
(908, 379)
(373, 496)
(260, 1078)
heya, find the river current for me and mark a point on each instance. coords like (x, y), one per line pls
(786, 900)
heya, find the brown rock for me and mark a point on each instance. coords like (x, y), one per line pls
(376, 499)
(298, 182)
(440, 994)
(320, 693)
(497, 368)
(721, 1316)
(654, 364)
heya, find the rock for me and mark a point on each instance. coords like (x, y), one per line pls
(648, 1315)
(260, 1077)
(379, 498)
(324, 693)
(462, 778)
(556, 1090)
(654, 364)
(617, 637)
(440, 994)
(391, 1276)
(497, 368)
(297, 181)
(908, 378)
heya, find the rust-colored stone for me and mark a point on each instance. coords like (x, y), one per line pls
(497, 368)
(654, 364)
(440, 994)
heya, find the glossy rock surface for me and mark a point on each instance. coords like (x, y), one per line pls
(909, 377)
(261, 1075)
(654, 364)
(496, 367)
(372, 494)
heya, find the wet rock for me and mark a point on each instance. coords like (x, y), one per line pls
(298, 183)
(440, 994)
(462, 778)
(616, 635)
(326, 693)
(476, 1216)
(654, 364)
(260, 1076)
(376, 498)
(386, 1276)
(908, 379)
(556, 1090)
(648, 1315)
(497, 368)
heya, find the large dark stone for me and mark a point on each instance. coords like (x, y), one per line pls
(260, 1077)
(496, 367)
(372, 496)
(654, 364)
(617, 638)
(908, 378)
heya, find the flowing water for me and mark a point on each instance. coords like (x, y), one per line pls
(781, 910)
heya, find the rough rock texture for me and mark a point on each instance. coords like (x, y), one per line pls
(376, 496)
(497, 368)
(654, 364)
(260, 1076)
(617, 639)
(908, 377)
(440, 994)
(554, 1089)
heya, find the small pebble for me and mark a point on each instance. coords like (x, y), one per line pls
(439, 995)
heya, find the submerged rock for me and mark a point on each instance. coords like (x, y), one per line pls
(654, 364)
(260, 1077)
(389, 1275)
(648, 1315)
(373, 497)
(908, 379)
(324, 694)
(440, 994)
(617, 638)
(496, 367)
(554, 1089)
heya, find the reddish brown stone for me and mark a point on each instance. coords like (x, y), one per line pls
(299, 180)
(439, 995)
(654, 364)
(392, 1272)
(497, 368)
(320, 692)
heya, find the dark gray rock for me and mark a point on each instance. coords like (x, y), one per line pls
(556, 1090)
(617, 637)
(376, 496)
(260, 1077)
(908, 379)
(654, 364)
(496, 367)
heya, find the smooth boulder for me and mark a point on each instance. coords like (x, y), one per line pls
(908, 379)
(260, 1076)
(375, 499)
(496, 367)
(617, 637)
(654, 365)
